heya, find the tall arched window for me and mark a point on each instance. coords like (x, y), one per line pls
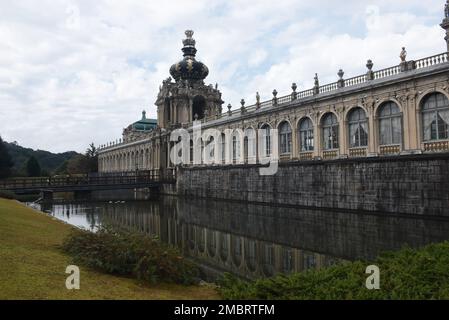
(223, 147)
(330, 132)
(266, 140)
(236, 147)
(435, 115)
(358, 128)
(306, 135)
(285, 138)
(209, 151)
(390, 124)
(250, 145)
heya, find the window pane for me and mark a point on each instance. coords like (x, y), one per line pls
(363, 134)
(396, 124)
(385, 131)
(428, 119)
(353, 135)
(335, 137)
(443, 121)
(326, 138)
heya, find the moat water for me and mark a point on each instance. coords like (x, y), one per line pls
(253, 240)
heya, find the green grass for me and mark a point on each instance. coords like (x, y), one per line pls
(32, 265)
(408, 274)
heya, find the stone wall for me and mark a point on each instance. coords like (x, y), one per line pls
(417, 184)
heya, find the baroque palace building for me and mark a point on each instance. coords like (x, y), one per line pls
(396, 111)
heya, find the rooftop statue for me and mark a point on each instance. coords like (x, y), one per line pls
(403, 54)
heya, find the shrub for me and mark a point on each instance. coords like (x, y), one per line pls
(128, 253)
(404, 275)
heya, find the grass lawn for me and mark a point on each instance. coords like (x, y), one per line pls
(33, 267)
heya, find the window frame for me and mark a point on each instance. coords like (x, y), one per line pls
(309, 135)
(390, 118)
(332, 126)
(359, 123)
(436, 112)
(285, 138)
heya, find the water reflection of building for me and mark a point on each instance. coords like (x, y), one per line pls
(216, 250)
(254, 240)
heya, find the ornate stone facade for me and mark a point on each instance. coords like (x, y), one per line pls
(391, 112)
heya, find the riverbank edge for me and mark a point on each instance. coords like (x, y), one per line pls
(32, 265)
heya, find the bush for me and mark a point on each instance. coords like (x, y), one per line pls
(404, 275)
(126, 253)
(7, 194)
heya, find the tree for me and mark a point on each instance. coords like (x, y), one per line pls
(33, 167)
(83, 164)
(92, 151)
(79, 164)
(5, 161)
(92, 156)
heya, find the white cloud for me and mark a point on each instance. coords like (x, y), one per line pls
(72, 72)
(257, 57)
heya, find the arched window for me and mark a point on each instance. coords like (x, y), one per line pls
(250, 147)
(330, 132)
(266, 140)
(236, 146)
(209, 151)
(223, 147)
(306, 135)
(435, 115)
(358, 128)
(285, 138)
(390, 124)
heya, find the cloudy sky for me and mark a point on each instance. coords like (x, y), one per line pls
(73, 72)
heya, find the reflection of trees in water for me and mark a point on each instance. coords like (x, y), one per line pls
(92, 220)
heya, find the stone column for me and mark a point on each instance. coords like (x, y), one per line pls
(343, 136)
(372, 128)
(317, 140)
(295, 152)
(414, 125)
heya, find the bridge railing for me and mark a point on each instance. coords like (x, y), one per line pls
(117, 178)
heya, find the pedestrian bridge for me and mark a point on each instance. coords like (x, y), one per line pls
(91, 182)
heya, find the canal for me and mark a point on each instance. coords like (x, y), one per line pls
(253, 240)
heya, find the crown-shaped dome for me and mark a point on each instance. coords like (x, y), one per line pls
(189, 68)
